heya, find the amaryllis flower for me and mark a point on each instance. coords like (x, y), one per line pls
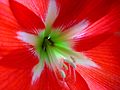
(59, 45)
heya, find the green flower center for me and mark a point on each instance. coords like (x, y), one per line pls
(47, 41)
(51, 43)
(53, 47)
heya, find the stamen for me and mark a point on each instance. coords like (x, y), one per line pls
(62, 73)
(74, 75)
(70, 62)
(65, 66)
(72, 59)
(49, 37)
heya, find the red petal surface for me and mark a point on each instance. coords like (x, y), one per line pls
(48, 81)
(72, 12)
(75, 81)
(39, 7)
(97, 9)
(98, 31)
(8, 29)
(14, 79)
(69, 11)
(25, 17)
(10, 46)
(107, 56)
(5, 2)
(20, 58)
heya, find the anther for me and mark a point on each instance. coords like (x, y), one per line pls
(72, 59)
(65, 66)
(62, 74)
(71, 63)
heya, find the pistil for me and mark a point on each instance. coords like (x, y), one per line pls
(47, 41)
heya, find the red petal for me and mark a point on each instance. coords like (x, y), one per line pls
(48, 81)
(8, 29)
(39, 7)
(75, 81)
(72, 12)
(107, 56)
(19, 58)
(5, 2)
(9, 42)
(98, 31)
(28, 19)
(97, 9)
(14, 79)
(69, 11)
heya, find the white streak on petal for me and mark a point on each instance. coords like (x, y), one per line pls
(27, 37)
(117, 33)
(76, 30)
(37, 72)
(85, 61)
(52, 12)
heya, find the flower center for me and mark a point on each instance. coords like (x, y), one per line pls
(54, 49)
(47, 41)
(52, 44)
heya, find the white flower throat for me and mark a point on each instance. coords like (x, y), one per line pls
(54, 49)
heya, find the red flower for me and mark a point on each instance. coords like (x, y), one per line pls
(59, 45)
